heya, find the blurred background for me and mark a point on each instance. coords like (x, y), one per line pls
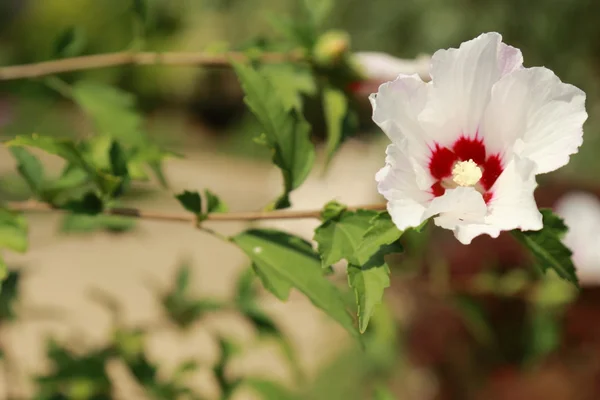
(460, 322)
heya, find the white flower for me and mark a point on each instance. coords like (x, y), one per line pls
(466, 147)
(384, 67)
(581, 212)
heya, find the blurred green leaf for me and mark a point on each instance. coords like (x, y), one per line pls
(89, 204)
(70, 43)
(284, 261)
(13, 231)
(291, 82)
(112, 111)
(228, 350)
(213, 203)
(383, 393)
(9, 295)
(287, 133)
(319, 9)
(81, 223)
(67, 150)
(547, 247)
(269, 390)
(544, 333)
(335, 108)
(140, 7)
(191, 201)
(30, 168)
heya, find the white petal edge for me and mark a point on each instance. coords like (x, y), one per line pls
(462, 81)
(534, 115)
(581, 213)
(397, 182)
(513, 204)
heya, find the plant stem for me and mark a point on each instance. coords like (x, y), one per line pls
(35, 206)
(44, 68)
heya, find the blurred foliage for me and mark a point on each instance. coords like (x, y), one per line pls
(94, 121)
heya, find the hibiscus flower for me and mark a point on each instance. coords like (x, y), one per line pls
(467, 146)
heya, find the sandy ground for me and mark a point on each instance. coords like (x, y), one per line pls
(61, 271)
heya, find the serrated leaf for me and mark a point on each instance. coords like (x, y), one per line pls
(30, 168)
(289, 260)
(13, 231)
(332, 210)
(213, 203)
(191, 201)
(67, 150)
(291, 83)
(70, 43)
(383, 231)
(335, 108)
(369, 280)
(547, 247)
(341, 237)
(287, 133)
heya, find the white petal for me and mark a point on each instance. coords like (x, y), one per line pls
(462, 81)
(533, 114)
(581, 212)
(397, 182)
(457, 208)
(396, 107)
(385, 67)
(513, 205)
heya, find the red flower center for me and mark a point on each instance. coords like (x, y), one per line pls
(443, 159)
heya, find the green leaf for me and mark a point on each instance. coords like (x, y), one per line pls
(335, 108)
(13, 231)
(332, 210)
(67, 150)
(140, 7)
(182, 279)
(382, 393)
(9, 295)
(319, 9)
(269, 390)
(81, 223)
(112, 111)
(30, 168)
(89, 204)
(70, 43)
(544, 333)
(383, 231)
(547, 247)
(284, 261)
(291, 82)
(341, 237)
(213, 203)
(3, 271)
(369, 281)
(287, 133)
(191, 201)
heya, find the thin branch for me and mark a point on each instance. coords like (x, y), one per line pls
(44, 68)
(35, 206)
